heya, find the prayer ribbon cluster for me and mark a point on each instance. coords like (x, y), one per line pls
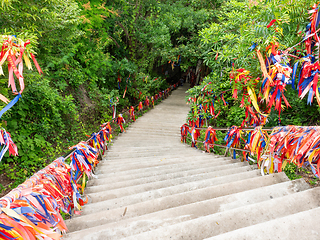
(6, 144)
(300, 145)
(14, 51)
(278, 73)
(279, 68)
(294, 144)
(32, 210)
(288, 144)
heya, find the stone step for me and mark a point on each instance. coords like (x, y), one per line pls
(145, 165)
(156, 154)
(148, 143)
(127, 139)
(165, 180)
(145, 154)
(151, 129)
(176, 137)
(162, 192)
(149, 150)
(298, 226)
(171, 159)
(152, 120)
(175, 200)
(161, 172)
(156, 147)
(155, 135)
(144, 223)
(215, 224)
(116, 193)
(152, 124)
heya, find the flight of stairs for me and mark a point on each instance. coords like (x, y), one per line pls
(151, 186)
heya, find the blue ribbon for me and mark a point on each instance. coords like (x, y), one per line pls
(253, 46)
(8, 228)
(294, 74)
(7, 236)
(10, 105)
(310, 96)
(249, 138)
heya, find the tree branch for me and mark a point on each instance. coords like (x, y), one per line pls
(115, 41)
(125, 31)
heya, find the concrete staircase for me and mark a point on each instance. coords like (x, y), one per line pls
(151, 186)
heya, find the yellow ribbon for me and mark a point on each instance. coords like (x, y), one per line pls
(263, 66)
(253, 97)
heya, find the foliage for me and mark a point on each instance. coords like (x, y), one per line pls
(291, 171)
(83, 47)
(228, 46)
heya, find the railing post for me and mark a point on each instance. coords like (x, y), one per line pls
(226, 152)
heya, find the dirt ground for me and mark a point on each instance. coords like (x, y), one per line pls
(5, 182)
(309, 177)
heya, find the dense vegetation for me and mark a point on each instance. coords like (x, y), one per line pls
(85, 47)
(242, 27)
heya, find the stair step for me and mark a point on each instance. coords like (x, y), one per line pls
(215, 224)
(179, 152)
(298, 226)
(151, 155)
(99, 192)
(158, 204)
(151, 165)
(150, 148)
(160, 172)
(198, 155)
(176, 159)
(116, 193)
(106, 184)
(136, 135)
(137, 225)
(144, 196)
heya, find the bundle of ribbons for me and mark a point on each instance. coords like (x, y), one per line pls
(210, 138)
(195, 133)
(289, 144)
(184, 132)
(120, 122)
(256, 142)
(277, 73)
(82, 161)
(300, 145)
(114, 107)
(309, 73)
(131, 112)
(11, 48)
(233, 138)
(13, 51)
(99, 140)
(243, 84)
(6, 144)
(32, 210)
(147, 102)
